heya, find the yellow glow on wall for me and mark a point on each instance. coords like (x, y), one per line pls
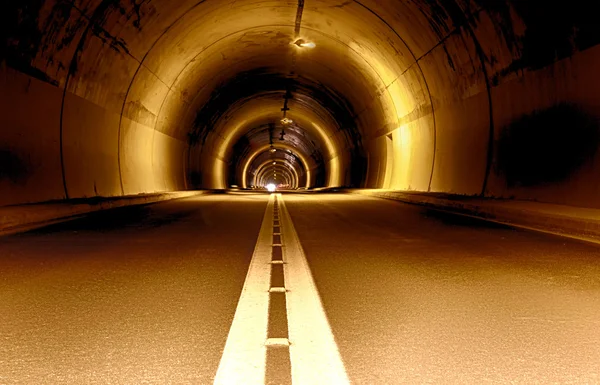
(389, 162)
(396, 104)
(402, 144)
(333, 166)
(229, 135)
(218, 174)
(406, 144)
(334, 170)
(403, 104)
(329, 145)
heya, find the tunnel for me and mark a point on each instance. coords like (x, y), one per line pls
(117, 98)
(112, 103)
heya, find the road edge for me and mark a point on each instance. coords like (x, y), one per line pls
(22, 218)
(559, 224)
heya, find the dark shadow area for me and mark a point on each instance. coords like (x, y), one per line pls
(12, 167)
(451, 219)
(546, 146)
(140, 217)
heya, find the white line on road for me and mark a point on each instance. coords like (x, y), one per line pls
(314, 354)
(278, 342)
(244, 356)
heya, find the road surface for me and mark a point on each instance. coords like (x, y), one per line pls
(364, 290)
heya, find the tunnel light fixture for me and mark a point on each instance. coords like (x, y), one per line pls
(286, 121)
(305, 44)
(274, 162)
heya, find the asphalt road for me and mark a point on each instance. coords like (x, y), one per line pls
(417, 296)
(148, 294)
(137, 295)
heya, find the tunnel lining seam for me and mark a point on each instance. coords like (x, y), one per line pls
(131, 83)
(424, 81)
(91, 22)
(466, 19)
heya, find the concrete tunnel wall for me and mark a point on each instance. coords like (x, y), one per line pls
(102, 98)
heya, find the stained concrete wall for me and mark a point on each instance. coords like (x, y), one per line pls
(30, 157)
(480, 69)
(101, 98)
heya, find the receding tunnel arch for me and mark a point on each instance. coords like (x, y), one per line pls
(142, 97)
(295, 177)
(256, 123)
(277, 165)
(308, 165)
(277, 175)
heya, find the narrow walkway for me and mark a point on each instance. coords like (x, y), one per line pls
(570, 221)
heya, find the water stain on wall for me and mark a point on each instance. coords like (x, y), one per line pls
(553, 31)
(546, 146)
(12, 167)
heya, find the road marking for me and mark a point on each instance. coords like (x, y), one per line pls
(277, 342)
(244, 356)
(314, 353)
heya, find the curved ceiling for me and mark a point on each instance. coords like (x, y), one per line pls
(120, 97)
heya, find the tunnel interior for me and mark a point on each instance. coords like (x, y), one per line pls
(120, 97)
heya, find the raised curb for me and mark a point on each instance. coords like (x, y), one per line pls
(574, 222)
(16, 219)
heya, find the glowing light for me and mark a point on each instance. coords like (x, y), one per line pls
(273, 150)
(286, 121)
(274, 162)
(271, 187)
(305, 44)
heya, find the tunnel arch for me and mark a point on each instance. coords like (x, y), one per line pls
(296, 174)
(289, 170)
(111, 98)
(308, 164)
(264, 176)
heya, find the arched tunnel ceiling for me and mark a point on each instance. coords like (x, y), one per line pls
(157, 95)
(285, 160)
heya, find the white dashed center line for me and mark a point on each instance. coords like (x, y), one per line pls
(313, 353)
(244, 356)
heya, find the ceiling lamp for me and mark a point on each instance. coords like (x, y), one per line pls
(305, 44)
